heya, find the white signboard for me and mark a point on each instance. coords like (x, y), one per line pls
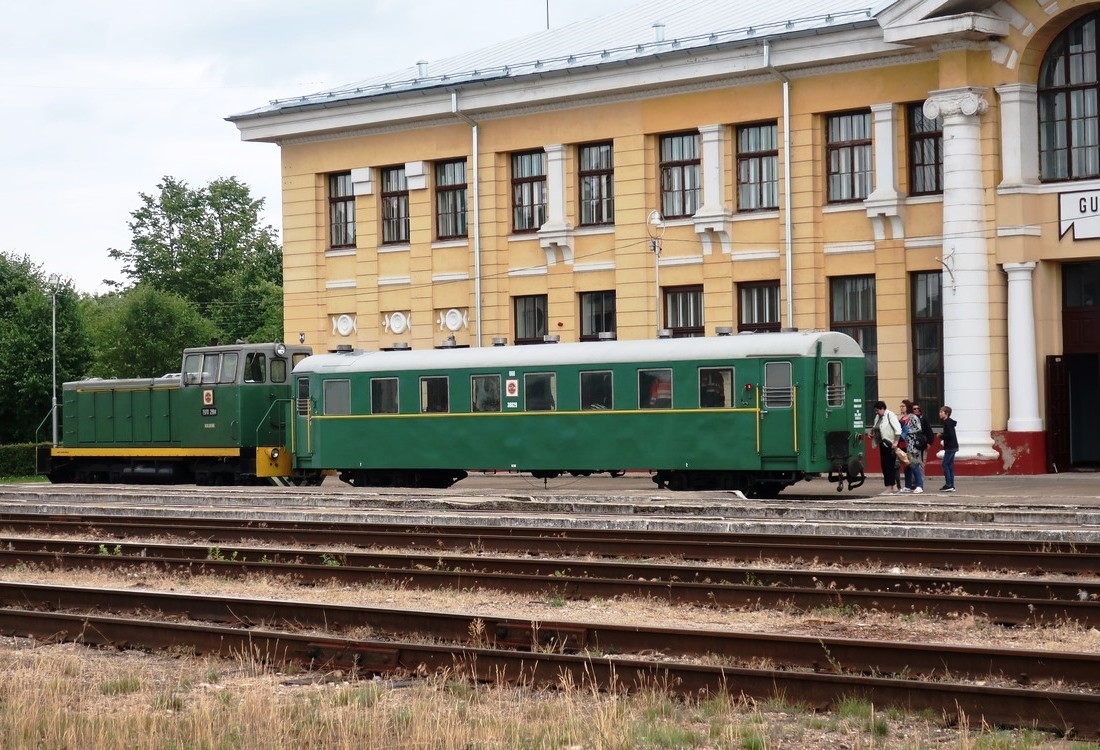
(1081, 212)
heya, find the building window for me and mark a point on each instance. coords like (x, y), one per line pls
(450, 199)
(530, 316)
(680, 175)
(528, 191)
(927, 337)
(341, 210)
(395, 206)
(848, 154)
(852, 311)
(597, 173)
(925, 152)
(1080, 284)
(758, 167)
(597, 314)
(758, 306)
(684, 311)
(1069, 144)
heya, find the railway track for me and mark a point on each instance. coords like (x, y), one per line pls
(514, 651)
(1003, 601)
(987, 554)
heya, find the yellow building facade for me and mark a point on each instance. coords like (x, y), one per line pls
(924, 175)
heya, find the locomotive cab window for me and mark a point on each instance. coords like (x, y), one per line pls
(337, 397)
(211, 365)
(716, 387)
(485, 393)
(540, 391)
(192, 369)
(655, 389)
(229, 368)
(255, 368)
(278, 370)
(596, 392)
(433, 395)
(383, 396)
(778, 385)
(834, 388)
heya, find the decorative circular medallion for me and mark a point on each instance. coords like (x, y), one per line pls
(453, 320)
(398, 322)
(345, 325)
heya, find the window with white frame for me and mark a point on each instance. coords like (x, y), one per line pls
(1069, 100)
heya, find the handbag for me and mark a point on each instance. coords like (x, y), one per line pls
(903, 457)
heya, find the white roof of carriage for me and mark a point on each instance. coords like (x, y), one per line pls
(787, 344)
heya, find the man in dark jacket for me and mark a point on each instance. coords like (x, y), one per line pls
(950, 448)
(925, 427)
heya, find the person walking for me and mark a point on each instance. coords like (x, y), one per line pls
(950, 448)
(886, 431)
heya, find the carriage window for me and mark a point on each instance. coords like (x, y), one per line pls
(192, 369)
(485, 393)
(383, 396)
(278, 370)
(433, 395)
(211, 363)
(596, 390)
(778, 385)
(655, 389)
(540, 391)
(302, 403)
(337, 397)
(229, 368)
(834, 389)
(255, 368)
(715, 387)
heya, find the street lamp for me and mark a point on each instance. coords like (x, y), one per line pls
(55, 282)
(655, 226)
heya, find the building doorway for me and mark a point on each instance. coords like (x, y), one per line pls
(1073, 378)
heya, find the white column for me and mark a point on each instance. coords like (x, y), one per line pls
(966, 349)
(884, 206)
(713, 168)
(555, 188)
(1023, 374)
(1019, 134)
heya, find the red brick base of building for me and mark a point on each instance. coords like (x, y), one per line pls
(1017, 453)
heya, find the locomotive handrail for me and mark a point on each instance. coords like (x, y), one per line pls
(264, 418)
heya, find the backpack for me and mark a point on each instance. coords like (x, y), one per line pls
(919, 440)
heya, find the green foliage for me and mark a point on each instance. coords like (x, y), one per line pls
(18, 460)
(141, 332)
(26, 369)
(208, 246)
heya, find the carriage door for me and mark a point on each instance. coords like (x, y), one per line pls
(778, 448)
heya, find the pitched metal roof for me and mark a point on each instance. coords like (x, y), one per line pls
(623, 36)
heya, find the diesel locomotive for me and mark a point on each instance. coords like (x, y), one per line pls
(752, 412)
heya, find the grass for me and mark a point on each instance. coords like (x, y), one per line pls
(67, 696)
(22, 479)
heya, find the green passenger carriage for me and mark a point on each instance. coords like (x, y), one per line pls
(753, 412)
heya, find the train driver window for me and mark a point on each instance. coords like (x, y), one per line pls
(778, 385)
(211, 364)
(655, 389)
(337, 395)
(540, 391)
(834, 388)
(485, 393)
(433, 395)
(716, 387)
(383, 396)
(278, 370)
(255, 368)
(229, 368)
(596, 390)
(192, 369)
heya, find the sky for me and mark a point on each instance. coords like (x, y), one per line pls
(100, 99)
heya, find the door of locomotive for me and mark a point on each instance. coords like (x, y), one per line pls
(778, 416)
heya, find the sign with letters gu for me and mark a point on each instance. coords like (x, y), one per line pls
(1081, 211)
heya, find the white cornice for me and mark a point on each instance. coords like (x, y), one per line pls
(962, 26)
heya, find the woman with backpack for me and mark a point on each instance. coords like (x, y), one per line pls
(915, 443)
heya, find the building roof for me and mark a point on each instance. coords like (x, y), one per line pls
(621, 37)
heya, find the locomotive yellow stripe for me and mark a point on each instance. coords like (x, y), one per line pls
(146, 452)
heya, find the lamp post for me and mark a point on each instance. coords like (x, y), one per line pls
(655, 226)
(54, 282)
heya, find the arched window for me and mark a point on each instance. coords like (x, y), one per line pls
(1069, 124)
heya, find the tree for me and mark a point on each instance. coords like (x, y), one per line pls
(26, 339)
(208, 246)
(141, 333)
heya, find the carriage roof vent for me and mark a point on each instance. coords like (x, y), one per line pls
(343, 349)
(398, 346)
(500, 341)
(788, 330)
(606, 336)
(448, 343)
(664, 333)
(551, 338)
(723, 331)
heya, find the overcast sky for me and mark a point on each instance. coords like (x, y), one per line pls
(102, 98)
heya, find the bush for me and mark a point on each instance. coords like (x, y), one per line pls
(19, 460)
